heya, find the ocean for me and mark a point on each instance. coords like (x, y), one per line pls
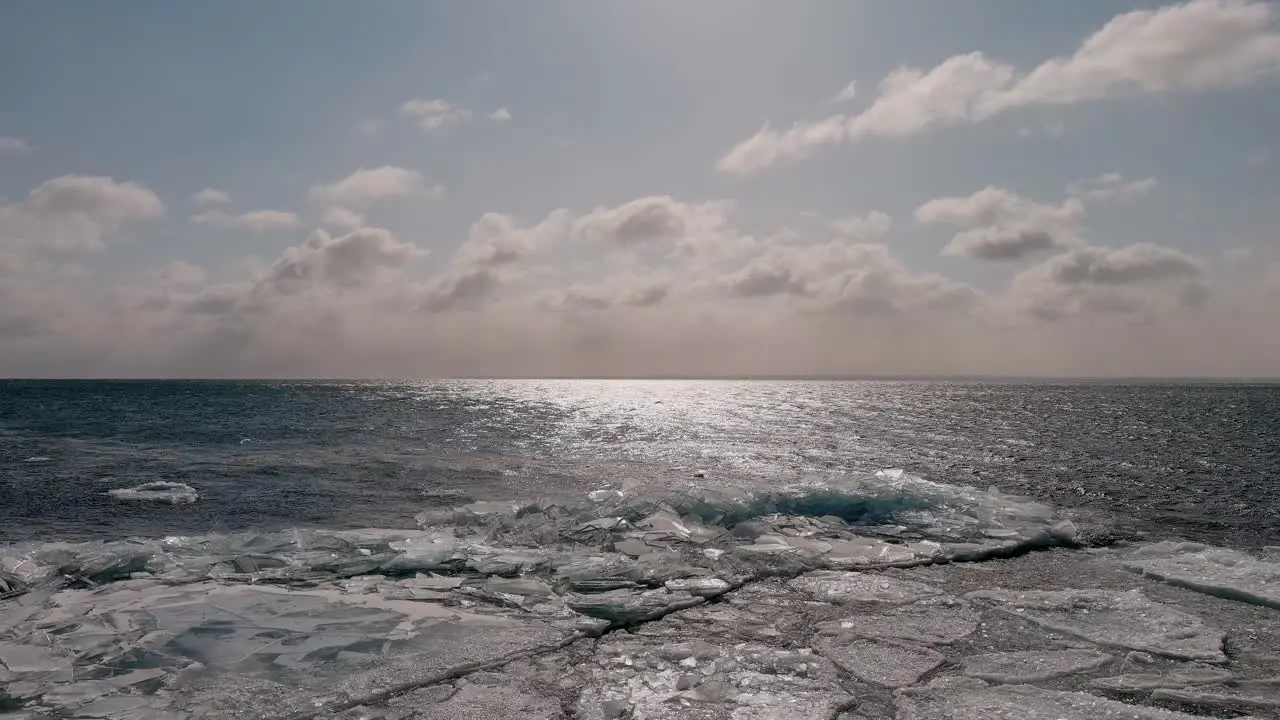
(1193, 460)
(643, 550)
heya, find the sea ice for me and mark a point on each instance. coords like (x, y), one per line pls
(173, 493)
(1033, 665)
(1112, 618)
(853, 588)
(932, 621)
(887, 664)
(969, 699)
(1216, 571)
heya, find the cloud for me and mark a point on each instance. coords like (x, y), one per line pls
(1002, 225)
(1137, 281)
(434, 115)
(1190, 46)
(371, 303)
(500, 115)
(257, 221)
(210, 196)
(75, 212)
(849, 92)
(369, 186)
(1112, 187)
(694, 229)
(15, 146)
(342, 218)
(842, 278)
(866, 228)
(348, 260)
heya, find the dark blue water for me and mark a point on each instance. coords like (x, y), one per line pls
(1192, 460)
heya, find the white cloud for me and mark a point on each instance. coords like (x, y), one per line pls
(500, 115)
(342, 218)
(348, 260)
(15, 146)
(849, 92)
(257, 221)
(1112, 187)
(864, 228)
(1137, 281)
(75, 212)
(698, 229)
(435, 114)
(1002, 225)
(1189, 46)
(368, 186)
(210, 196)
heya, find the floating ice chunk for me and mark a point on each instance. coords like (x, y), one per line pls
(1179, 678)
(1241, 695)
(1033, 665)
(933, 621)
(626, 607)
(37, 459)
(171, 492)
(853, 588)
(701, 586)
(1214, 571)
(1112, 618)
(31, 661)
(605, 495)
(967, 699)
(891, 665)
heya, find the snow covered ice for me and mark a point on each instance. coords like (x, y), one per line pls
(171, 492)
(881, 596)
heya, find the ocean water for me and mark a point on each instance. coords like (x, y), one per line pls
(1191, 460)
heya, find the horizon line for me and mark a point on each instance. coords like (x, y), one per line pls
(797, 377)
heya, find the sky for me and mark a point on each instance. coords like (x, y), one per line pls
(606, 188)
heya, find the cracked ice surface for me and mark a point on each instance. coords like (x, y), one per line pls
(967, 699)
(1214, 571)
(1113, 619)
(1033, 665)
(713, 605)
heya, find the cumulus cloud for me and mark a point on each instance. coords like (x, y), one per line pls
(1112, 187)
(368, 186)
(348, 260)
(1189, 46)
(75, 212)
(342, 218)
(700, 229)
(842, 277)
(434, 114)
(209, 197)
(15, 146)
(500, 115)
(1001, 225)
(849, 92)
(1137, 280)
(257, 222)
(371, 303)
(872, 226)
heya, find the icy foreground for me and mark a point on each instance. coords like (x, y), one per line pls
(888, 597)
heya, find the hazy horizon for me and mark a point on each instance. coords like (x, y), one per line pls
(734, 190)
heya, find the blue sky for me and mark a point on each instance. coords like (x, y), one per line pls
(629, 107)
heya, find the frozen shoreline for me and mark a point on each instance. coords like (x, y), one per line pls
(648, 610)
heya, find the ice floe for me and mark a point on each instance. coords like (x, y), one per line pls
(1111, 618)
(173, 493)
(1229, 574)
